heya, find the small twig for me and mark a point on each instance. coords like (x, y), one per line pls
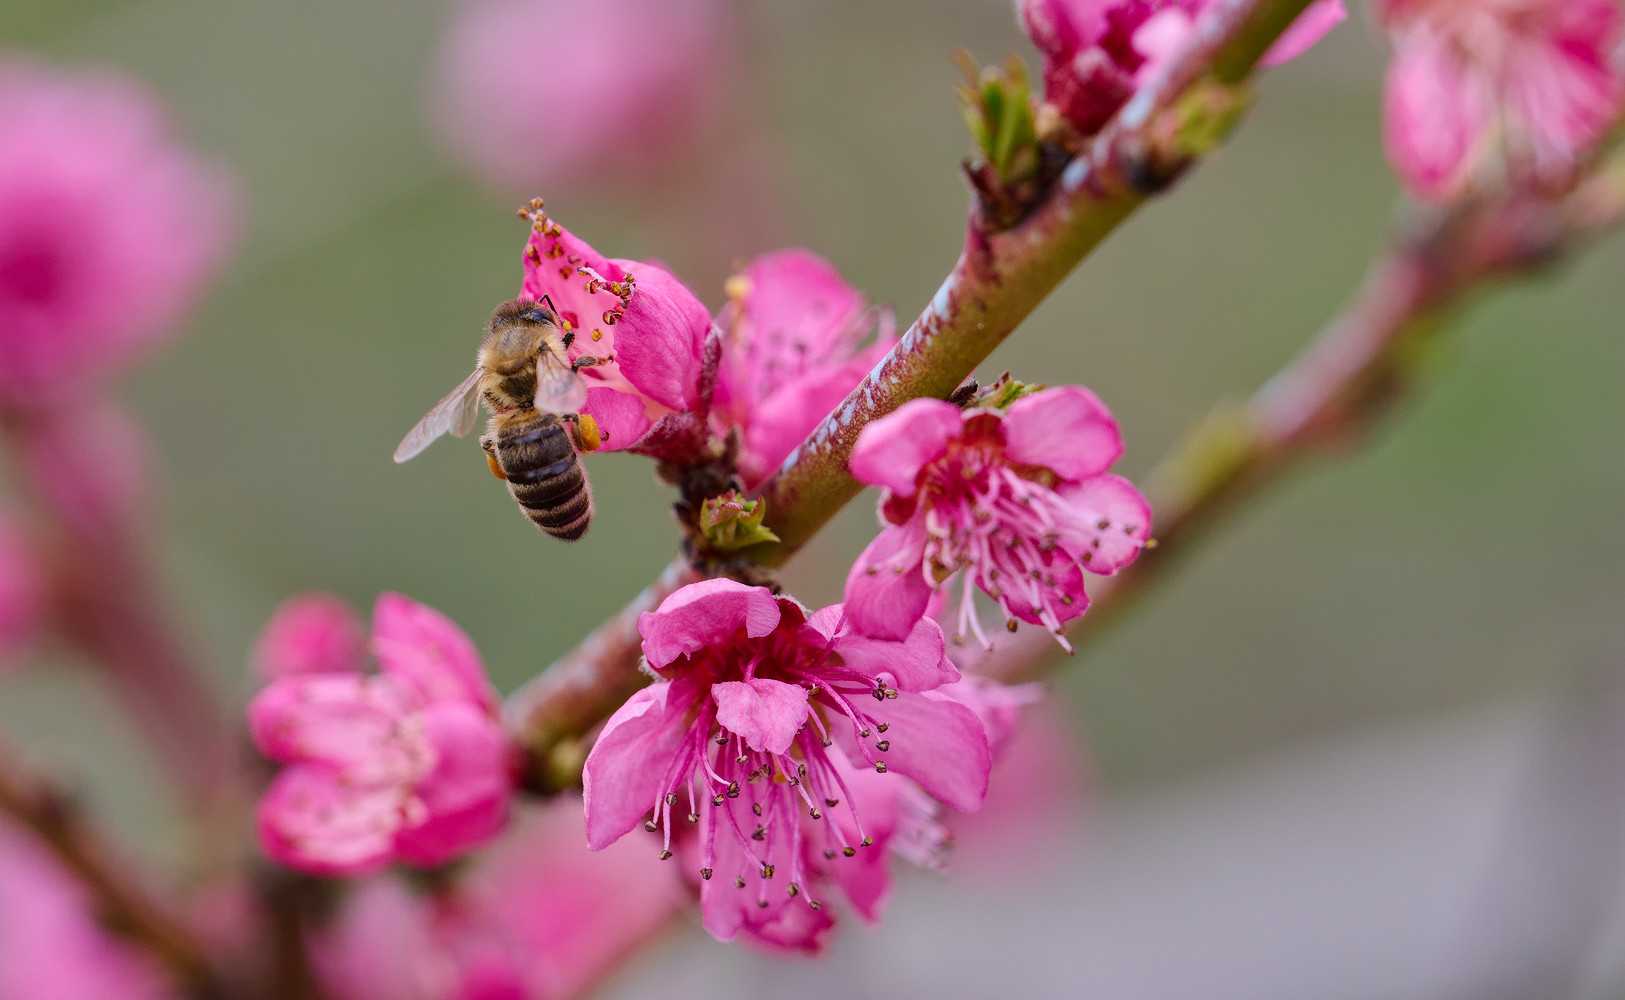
(124, 905)
(1342, 385)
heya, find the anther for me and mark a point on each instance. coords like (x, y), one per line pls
(706, 874)
(693, 817)
(762, 903)
(867, 842)
(722, 740)
(671, 798)
(864, 733)
(650, 825)
(816, 814)
(832, 803)
(829, 855)
(756, 807)
(826, 741)
(1103, 524)
(760, 834)
(767, 870)
(740, 759)
(815, 904)
(795, 890)
(883, 745)
(665, 855)
(716, 799)
(733, 789)
(880, 693)
(883, 726)
(739, 881)
(880, 766)
(849, 851)
(1010, 625)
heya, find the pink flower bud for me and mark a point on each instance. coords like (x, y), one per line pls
(534, 93)
(1097, 52)
(1515, 90)
(409, 764)
(311, 633)
(793, 332)
(22, 590)
(108, 230)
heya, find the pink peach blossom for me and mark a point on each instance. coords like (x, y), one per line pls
(753, 693)
(22, 590)
(639, 315)
(794, 330)
(1098, 52)
(109, 228)
(1018, 500)
(533, 93)
(311, 633)
(1508, 89)
(409, 764)
(52, 944)
(538, 917)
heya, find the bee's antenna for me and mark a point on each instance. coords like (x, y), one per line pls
(550, 306)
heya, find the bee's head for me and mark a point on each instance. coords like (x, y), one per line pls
(515, 334)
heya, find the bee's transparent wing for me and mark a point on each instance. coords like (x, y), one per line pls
(558, 388)
(455, 415)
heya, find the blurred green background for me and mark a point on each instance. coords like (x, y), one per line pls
(1471, 553)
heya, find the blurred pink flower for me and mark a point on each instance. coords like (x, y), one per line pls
(409, 764)
(793, 327)
(737, 719)
(22, 590)
(1097, 52)
(539, 917)
(1019, 500)
(108, 230)
(1513, 89)
(647, 321)
(52, 946)
(311, 633)
(532, 93)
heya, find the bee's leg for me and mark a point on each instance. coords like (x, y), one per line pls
(588, 361)
(584, 431)
(490, 447)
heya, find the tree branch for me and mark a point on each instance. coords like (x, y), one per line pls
(1001, 277)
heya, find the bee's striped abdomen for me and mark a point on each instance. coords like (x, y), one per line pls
(545, 475)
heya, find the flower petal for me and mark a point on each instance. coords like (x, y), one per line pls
(316, 820)
(622, 774)
(620, 416)
(660, 338)
(341, 719)
(704, 614)
(917, 663)
(422, 648)
(1317, 19)
(1067, 429)
(886, 593)
(311, 633)
(940, 744)
(466, 793)
(890, 451)
(1118, 517)
(785, 417)
(1437, 117)
(765, 713)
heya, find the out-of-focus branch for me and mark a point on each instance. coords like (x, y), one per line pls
(122, 902)
(1344, 383)
(549, 716)
(1001, 277)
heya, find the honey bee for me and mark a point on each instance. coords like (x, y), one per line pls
(536, 433)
